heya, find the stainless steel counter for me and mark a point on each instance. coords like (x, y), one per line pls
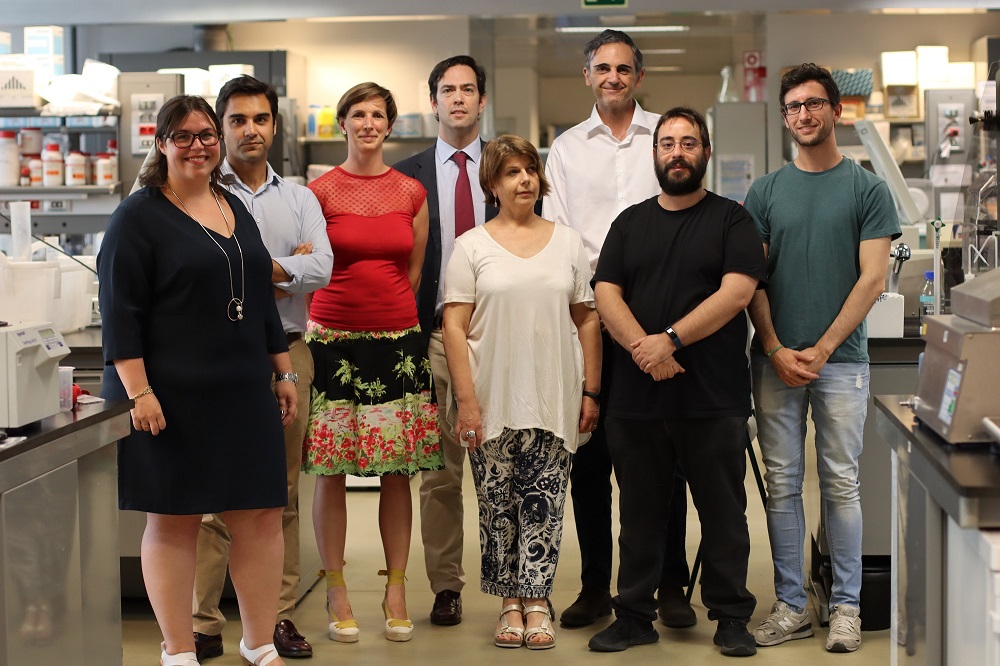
(59, 589)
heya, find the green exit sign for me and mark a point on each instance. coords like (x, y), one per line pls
(604, 3)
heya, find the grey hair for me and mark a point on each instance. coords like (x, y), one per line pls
(612, 37)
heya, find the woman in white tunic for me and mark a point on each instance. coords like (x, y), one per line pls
(522, 340)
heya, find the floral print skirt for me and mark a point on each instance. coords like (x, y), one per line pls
(373, 410)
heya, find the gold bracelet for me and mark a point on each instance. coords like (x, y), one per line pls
(775, 350)
(145, 391)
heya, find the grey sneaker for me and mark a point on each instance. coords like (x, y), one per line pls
(845, 629)
(783, 624)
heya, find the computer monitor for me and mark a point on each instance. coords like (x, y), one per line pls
(886, 167)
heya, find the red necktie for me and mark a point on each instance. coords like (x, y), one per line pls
(465, 216)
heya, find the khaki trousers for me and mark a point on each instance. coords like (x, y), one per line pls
(214, 539)
(441, 512)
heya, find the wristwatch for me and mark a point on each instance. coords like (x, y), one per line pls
(669, 330)
(292, 377)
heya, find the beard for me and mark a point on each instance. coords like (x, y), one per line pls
(819, 137)
(681, 183)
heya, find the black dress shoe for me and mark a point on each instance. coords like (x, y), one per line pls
(289, 642)
(206, 646)
(593, 603)
(447, 609)
(623, 633)
(673, 608)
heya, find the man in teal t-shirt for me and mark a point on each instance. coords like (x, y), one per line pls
(826, 224)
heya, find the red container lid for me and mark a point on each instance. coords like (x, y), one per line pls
(8, 134)
(52, 146)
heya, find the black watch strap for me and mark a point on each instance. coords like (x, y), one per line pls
(669, 330)
(596, 397)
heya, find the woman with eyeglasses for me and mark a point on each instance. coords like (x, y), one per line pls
(193, 337)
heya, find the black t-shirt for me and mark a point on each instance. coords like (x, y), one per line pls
(667, 263)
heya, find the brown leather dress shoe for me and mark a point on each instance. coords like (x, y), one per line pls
(207, 646)
(447, 609)
(289, 642)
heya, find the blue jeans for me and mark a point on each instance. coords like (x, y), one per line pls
(839, 401)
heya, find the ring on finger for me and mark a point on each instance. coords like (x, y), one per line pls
(469, 434)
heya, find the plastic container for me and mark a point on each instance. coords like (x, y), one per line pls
(25, 177)
(326, 122)
(76, 169)
(28, 289)
(91, 166)
(66, 388)
(927, 295)
(312, 122)
(10, 160)
(35, 169)
(29, 140)
(76, 290)
(103, 172)
(52, 166)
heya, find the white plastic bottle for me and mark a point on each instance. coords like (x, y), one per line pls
(52, 166)
(76, 169)
(103, 172)
(35, 169)
(10, 161)
(30, 140)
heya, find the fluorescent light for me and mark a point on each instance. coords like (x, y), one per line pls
(630, 29)
(663, 51)
(665, 68)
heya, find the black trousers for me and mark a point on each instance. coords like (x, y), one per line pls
(712, 453)
(590, 490)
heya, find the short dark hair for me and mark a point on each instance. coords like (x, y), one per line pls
(448, 63)
(809, 71)
(246, 85)
(362, 92)
(496, 152)
(171, 116)
(612, 37)
(689, 115)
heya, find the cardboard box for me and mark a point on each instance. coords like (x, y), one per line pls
(44, 40)
(220, 74)
(4, 42)
(902, 102)
(17, 88)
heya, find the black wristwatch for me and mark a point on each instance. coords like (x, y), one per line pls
(669, 330)
(596, 397)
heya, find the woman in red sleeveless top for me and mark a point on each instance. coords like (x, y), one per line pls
(373, 411)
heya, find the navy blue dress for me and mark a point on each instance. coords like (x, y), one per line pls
(163, 296)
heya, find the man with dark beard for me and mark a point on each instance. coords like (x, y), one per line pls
(675, 274)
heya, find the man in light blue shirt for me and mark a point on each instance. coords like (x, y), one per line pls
(293, 229)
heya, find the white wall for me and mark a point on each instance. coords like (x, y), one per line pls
(856, 40)
(516, 98)
(396, 54)
(566, 101)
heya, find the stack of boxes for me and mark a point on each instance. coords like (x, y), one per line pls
(21, 74)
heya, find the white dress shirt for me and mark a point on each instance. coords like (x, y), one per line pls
(447, 176)
(288, 215)
(594, 176)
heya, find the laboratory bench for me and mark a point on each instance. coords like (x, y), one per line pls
(59, 590)
(945, 545)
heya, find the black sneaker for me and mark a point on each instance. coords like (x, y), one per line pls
(592, 604)
(623, 633)
(734, 639)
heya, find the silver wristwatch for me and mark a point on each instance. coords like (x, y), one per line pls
(292, 377)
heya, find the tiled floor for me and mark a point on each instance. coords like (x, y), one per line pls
(471, 641)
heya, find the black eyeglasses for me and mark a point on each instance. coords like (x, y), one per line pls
(687, 145)
(813, 104)
(186, 139)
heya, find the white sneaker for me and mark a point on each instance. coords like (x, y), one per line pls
(845, 629)
(783, 624)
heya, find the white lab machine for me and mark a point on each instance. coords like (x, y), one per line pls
(29, 372)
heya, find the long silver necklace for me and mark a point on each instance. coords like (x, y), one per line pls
(235, 305)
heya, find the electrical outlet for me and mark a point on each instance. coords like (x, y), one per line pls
(951, 125)
(56, 206)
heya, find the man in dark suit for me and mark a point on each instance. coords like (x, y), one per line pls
(458, 97)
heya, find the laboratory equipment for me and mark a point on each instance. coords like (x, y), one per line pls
(29, 368)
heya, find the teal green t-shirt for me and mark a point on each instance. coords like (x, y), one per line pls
(813, 224)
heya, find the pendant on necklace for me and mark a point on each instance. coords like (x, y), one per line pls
(238, 309)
